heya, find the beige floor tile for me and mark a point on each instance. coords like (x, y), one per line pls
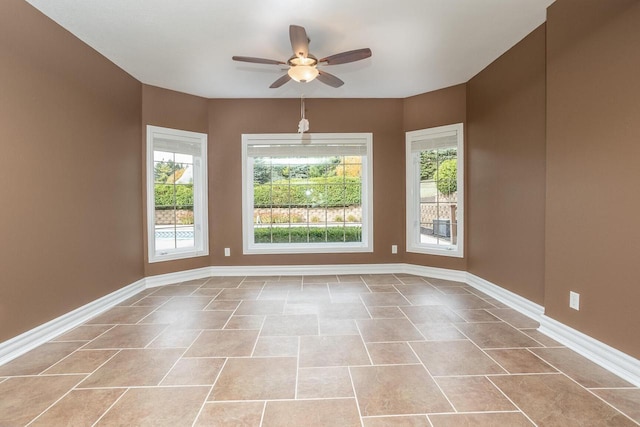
(238, 294)
(151, 301)
(421, 288)
(223, 282)
(223, 343)
(386, 313)
(276, 347)
(25, 398)
(380, 279)
(382, 288)
(328, 278)
(131, 368)
(431, 314)
(245, 322)
(174, 338)
(309, 296)
(579, 368)
(314, 383)
(282, 286)
(83, 333)
(290, 325)
(207, 319)
(397, 421)
(256, 379)
(206, 292)
(510, 419)
(443, 282)
(555, 400)
(338, 327)
(224, 305)
(39, 359)
(349, 288)
(496, 335)
(174, 291)
(474, 394)
(425, 299)
(345, 299)
(454, 358)
(197, 371)
(312, 413)
(187, 303)
(625, 400)
(384, 299)
(260, 308)
(465, 302)
(440, 332)
(324, 351)
(231, 414)
(251, 285)
(541, 338)
(411, 279)
(273, 295)
(383, 330)
(450, 290)
(156, 407)
(194, 282)
(395, 390)
(120, 315)
(520, 361)
(475, 316)
(345, 310)
(391, 353)
(349, 278)
(127, 336)
(514, 318)
(79, 408)
(81, 362)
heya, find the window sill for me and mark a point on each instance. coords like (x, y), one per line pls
(172, 256)
(276, 248)
(457, 253)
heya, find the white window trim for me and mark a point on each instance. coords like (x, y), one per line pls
(248, 244)
(200, 195)
(413, 190)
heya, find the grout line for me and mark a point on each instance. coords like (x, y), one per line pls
(57, 400)
(355, 395)
(510, 400)
(264, 409)
(110, 407)
(224, 364)
(295, 394)
(177, 360)
(432, 378)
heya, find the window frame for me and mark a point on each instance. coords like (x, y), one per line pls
(200, 195)
(413, 243)
(249, 246)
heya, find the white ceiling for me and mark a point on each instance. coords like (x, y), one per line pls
(418, 45)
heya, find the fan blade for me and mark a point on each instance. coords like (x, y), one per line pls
(282, 80)
(257, 60)
(299, 41)
(329, 79)
(345, 57)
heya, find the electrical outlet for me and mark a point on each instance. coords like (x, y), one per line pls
(227, 251)
(394, 249)
(574, 300)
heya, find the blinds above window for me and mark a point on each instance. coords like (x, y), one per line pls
(440, 141)
(306, 150)
(181, 146)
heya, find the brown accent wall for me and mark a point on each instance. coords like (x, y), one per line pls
(438, 108)
(176, 110)
(70, 222)
(506, 169)
(230, 118)
(593, 179)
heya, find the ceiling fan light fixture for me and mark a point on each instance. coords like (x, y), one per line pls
(303, 73)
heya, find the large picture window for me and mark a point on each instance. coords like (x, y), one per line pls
(435, 192)
(176, 194)
(306, 194)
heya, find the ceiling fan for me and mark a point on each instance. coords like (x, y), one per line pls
(303, 65)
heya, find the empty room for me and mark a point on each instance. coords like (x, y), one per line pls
(414, 213)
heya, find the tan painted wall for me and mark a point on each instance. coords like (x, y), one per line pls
(593, 152)
(167, 108)
(69, 136)
(438, 108)
(506, 169)
(229, 119)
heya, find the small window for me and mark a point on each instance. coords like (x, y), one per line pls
(176, 194)
(435, 192)
(307, 194)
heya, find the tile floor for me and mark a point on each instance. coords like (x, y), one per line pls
(371, 350)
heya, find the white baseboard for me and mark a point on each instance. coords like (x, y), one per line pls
(621, 364)
(177, 277)
(29, 340)
(515, 301)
